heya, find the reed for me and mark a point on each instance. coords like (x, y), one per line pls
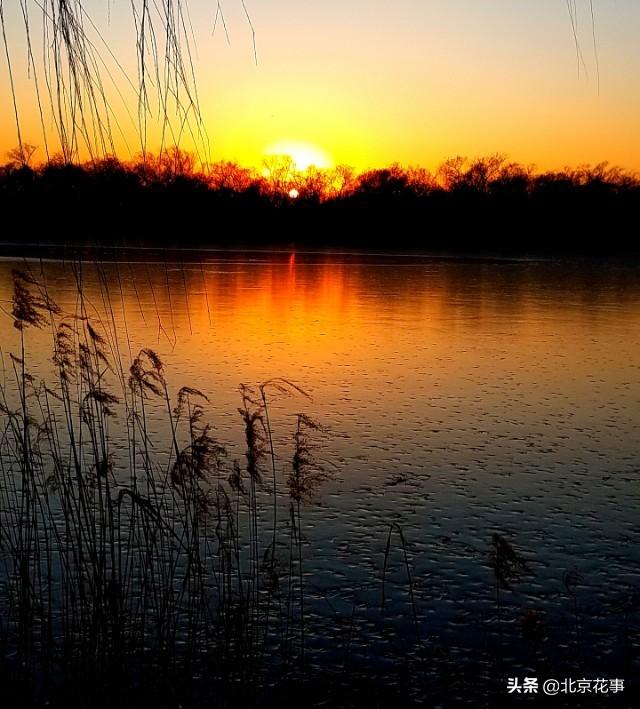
(508, 566)
(148, 561)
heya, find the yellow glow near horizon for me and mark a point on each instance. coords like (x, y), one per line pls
(361, 84)
(304, 155)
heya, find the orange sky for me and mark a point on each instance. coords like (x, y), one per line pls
(370, 83)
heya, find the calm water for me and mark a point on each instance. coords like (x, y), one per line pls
(462, 399)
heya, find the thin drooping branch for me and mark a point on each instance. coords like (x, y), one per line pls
(84, 76)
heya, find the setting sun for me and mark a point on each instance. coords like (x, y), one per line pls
(304, 155)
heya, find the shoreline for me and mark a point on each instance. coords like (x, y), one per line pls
(96, 251)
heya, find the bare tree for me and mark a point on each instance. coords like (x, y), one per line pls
(22, 155)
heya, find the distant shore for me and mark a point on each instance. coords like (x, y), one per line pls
(78, 250)
(485, 208)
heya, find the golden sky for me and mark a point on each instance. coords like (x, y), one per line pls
(368, 83)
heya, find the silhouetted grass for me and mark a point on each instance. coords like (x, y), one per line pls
(119, 565)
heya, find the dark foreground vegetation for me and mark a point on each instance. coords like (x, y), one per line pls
(140, 566)
(486, 205)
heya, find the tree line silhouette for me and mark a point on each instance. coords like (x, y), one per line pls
(485, 204)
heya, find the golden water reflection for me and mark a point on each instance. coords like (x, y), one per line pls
(410, 361)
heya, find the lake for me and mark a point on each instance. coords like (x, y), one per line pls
(457, 400)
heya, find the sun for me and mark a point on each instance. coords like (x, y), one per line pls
(304, 155)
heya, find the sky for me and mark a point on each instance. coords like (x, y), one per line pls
(368, 83)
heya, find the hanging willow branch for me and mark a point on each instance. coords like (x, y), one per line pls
(574, 18)
(76, 76)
